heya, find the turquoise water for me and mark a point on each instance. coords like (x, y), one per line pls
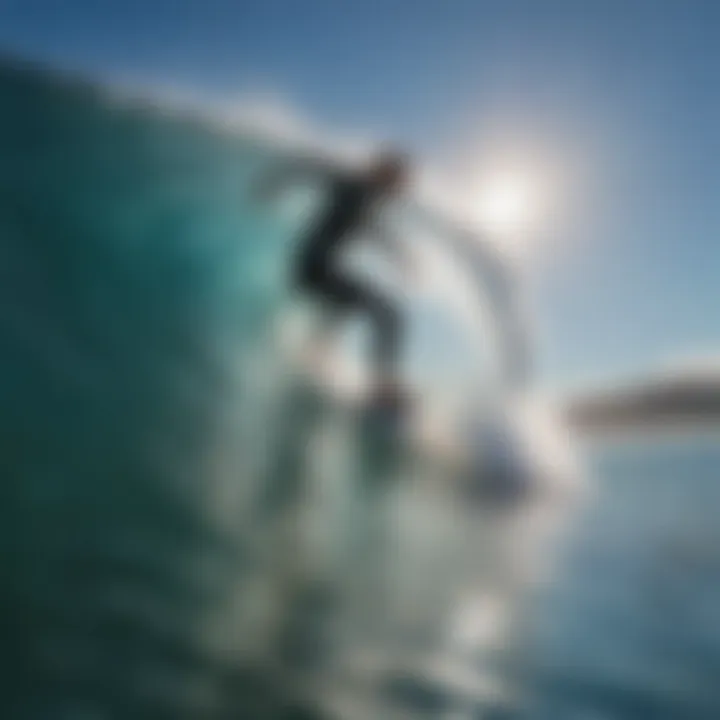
(136, 286)
(134, 281)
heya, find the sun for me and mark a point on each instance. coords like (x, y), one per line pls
(507, 203)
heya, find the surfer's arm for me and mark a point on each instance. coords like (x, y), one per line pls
(486, 262)
(292, 171)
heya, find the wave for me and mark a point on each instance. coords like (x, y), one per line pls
(184, 519)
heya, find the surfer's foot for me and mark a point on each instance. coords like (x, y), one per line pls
(390, 396)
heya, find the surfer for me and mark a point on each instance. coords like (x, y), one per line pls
(354, 199)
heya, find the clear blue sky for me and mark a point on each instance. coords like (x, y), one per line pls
(631, 85)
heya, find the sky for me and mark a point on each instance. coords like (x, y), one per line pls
(612, 107)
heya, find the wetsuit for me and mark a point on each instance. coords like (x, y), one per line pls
(318, 273)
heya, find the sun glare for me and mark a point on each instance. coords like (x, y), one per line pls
(508, 203)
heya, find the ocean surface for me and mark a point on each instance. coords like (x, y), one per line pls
(149, 493)
(630, 628)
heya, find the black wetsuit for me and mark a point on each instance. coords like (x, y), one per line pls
(318, 273)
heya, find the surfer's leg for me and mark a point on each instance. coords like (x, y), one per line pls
(386, 344)
(346, 294)
(313, 280)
